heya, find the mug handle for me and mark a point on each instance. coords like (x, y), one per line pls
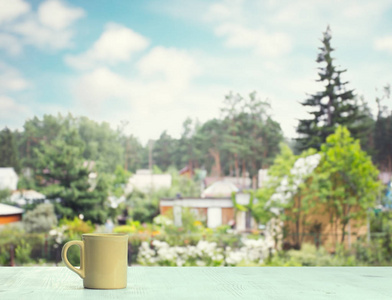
(79, 271)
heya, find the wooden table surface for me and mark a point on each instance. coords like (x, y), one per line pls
(372, 283)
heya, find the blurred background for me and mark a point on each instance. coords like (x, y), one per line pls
(214, 133)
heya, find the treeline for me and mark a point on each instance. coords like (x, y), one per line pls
(78, 163)
(243, 140)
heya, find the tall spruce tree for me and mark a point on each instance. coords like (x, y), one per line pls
(333, 106)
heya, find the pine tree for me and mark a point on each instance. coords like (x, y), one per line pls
(383, 133)
(64, 178)
(8, 150)
(333, 106)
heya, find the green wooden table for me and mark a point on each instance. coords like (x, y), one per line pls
(204, 283)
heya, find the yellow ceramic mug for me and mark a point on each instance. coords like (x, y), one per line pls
(103, 260)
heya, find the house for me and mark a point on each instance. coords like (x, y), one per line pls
(215, 207)
(145, 180)
(215, 211)
(23, 197)
(385, 177)
(8, 179)
(186, 172)
(10, 214)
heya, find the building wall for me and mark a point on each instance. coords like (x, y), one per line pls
(215, 212)
(214, 217)
(144, 180)
(165, 210)
(8, 179)
(329, 233)
(10, 218)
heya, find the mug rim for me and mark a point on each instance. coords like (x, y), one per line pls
(104, 235)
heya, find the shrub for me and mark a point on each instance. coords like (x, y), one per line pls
(40, 219)
(76, 227)
(204, 253)
(23, 253)
(5, 255)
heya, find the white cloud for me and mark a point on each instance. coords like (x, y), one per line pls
(11, 79)
(100, 85)
(11, 9)
(10, 43)
(55, 14)
(48, 28)
(116, 44)
(12, 114)
(223, 11)
(176, 67)
(163, 74)
(152, 99)
(231, 21)
(383, 44)
(237, 36)
(42, 37)
(371, 9)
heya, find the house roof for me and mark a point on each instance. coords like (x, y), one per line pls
(6, 210)
(28, 195)
(220, 188)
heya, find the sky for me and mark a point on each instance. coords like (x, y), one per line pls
(152, 64)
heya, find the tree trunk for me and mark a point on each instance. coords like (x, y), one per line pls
(298, 222)
(215, 154)
(243, 172)
(236, 166)
(343, 232)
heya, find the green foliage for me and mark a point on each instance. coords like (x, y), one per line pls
(64, 178)
(156, 170)
(143, 207)
(5, 255)
(76, 227)
(309, 255)
(40, 219)
(102, 144)
(10, 235)
(23, 253)
(182, 185)
(379, 250)
(383, 132)
(279, 170)
(131, 227)
(164, 152)
(26, 183)
(136, 156)
(8, 151)
(347, 179)
(4, 195)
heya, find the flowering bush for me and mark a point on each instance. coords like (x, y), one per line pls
(204, 253)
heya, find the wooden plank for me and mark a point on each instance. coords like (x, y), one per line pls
(204, 283)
